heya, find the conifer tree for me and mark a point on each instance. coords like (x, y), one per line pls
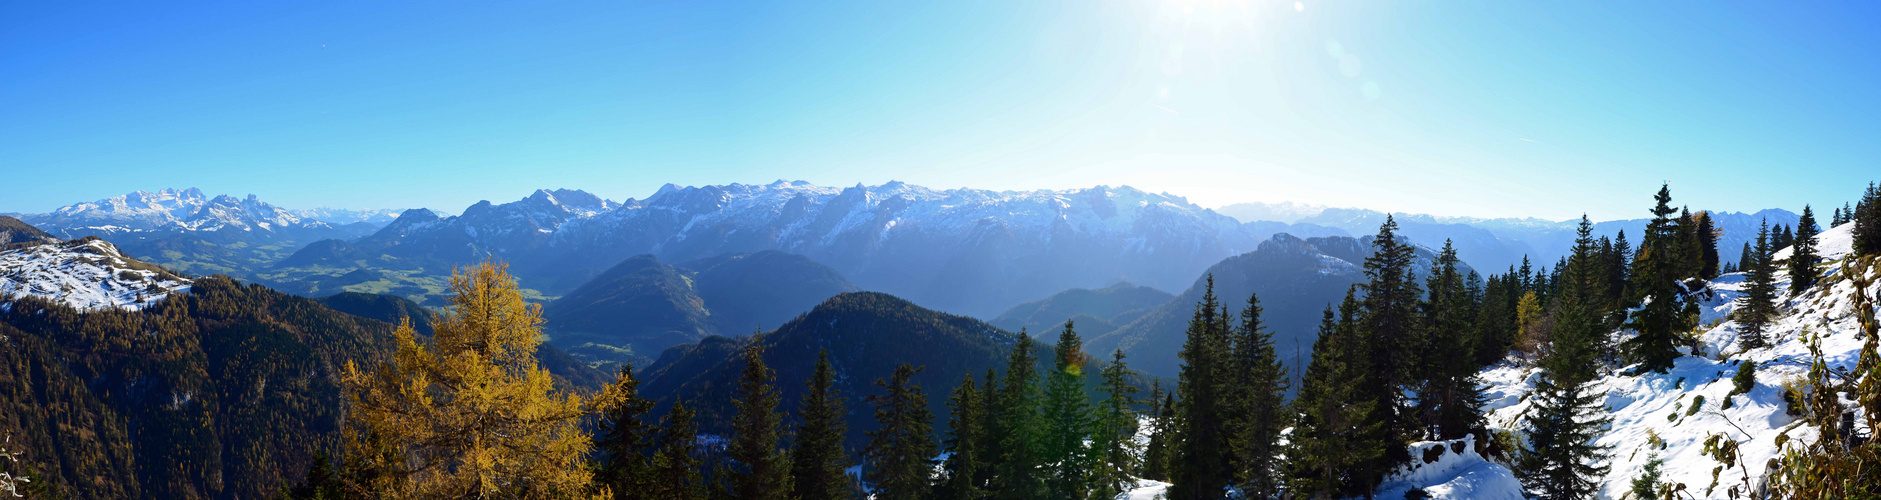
(818, 463)
(1707, 245)
(1017, 469)
(476, 377)
(1259, 383)
(1338, 442)
(761, 470)
(1689, 259)
(1657, 280)
(1759, 301)
(1867, 220)
(1449, 400)
(1494, 327)
(991, 456)
(1803, 257)
(622, 435)
(899, 457)
(1747, 259)
(675, 470)
(1114, 442)
(1159, 451)
(963, 468)
(1390, 326)
(1559, 461)
(1068, 420)
(1201, 462)
(1620, 272)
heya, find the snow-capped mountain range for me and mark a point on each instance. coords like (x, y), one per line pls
(86, 274)
(963, 250)
(189, 210)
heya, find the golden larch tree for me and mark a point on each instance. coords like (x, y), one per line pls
(469, 414)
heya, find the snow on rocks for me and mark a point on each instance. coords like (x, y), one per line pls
(1452, 470)
(1670, 415)
(86, 274)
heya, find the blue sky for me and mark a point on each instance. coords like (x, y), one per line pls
(1483, 108)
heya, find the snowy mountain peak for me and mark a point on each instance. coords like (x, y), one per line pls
(86, 274)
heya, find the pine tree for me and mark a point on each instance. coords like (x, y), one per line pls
(761, 470)
(1160, 451)
(899, 457)
(675, 469)
(476, 377)
(1657, 280)
(1114, 442)
(1390, 327)
(1338, 442)
(1068, 419)
(818, 464)
(1202, 468)
(1759, 301)
(1559, 459)
(963, 468)
(1803, 257)
(1258, 408)
(622, 436)
(1017, 467)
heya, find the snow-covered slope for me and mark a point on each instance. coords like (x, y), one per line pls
(86, 274)
(1672, 414)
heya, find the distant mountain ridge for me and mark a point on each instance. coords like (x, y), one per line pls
(963, 250)
(1295, 279)
(642, 306)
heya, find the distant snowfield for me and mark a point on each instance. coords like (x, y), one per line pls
(87, 274)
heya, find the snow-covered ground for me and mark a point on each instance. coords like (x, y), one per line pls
(1671, 414)
(87, 274)
(1452, 470)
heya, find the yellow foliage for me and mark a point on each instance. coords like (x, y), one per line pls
(469, 414)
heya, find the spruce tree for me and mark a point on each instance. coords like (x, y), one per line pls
(1160, 450)
(760, 470)
(675, 470)
(1707, 245)
(1449, 400)
(1657, 277)
(1747, 259)
(962, 466)
(818, 464)
(1390, 326)
(621, 436)
(1068, 420)
(1559, 459)
(1867, 219)
(1017, 466)
(1803, 257)
(1338, 442)
(1759, 301)
(898, 460)
(1620, 271)
(1114, 442)
(1259, 383)
(1201, 463)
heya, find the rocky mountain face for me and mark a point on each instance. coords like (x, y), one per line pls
(1295, 279)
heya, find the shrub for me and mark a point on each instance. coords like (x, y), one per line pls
(1746, 378)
